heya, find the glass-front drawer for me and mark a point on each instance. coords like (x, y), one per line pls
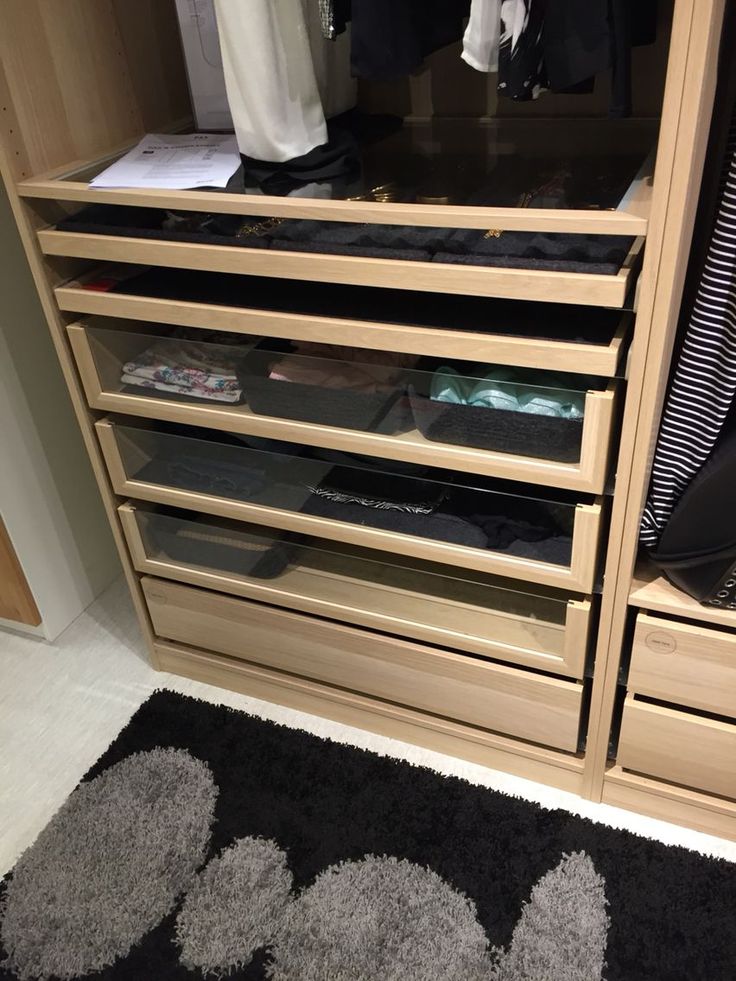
(490, 419)
(423, 601)
(419, 512)
(511, 411)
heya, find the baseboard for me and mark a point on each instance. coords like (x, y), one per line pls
(670, 802)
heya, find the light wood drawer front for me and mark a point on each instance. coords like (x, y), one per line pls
(677, 746)
(589, 289)
(503, 699)
(681, 663)
(423, 602)
(548, 353)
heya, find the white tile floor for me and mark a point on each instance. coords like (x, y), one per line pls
(62, 704)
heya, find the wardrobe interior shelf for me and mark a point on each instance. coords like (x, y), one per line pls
(304, 495)
(527, 335)
(424, 602)
(651, 591)
(102, 354)
(493, 696)
(441, 143)
(584, 288)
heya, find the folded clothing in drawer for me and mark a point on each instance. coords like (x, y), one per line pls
(556, 252)
(178, 365)
(220, 469)
(504, 409)
(329, 384)
(463, 517)
(415, 502)
(227, 547)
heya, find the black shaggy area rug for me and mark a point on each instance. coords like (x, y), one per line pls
(207, 843)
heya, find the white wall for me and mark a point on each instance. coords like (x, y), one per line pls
(48, 497)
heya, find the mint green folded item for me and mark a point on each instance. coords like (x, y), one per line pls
(496, 392)
(551, 402)
(497, 387)
(448, 386)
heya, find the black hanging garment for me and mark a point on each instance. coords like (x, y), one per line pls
(391, 38)
(577, 41)
(562, 45)
(703, 388)
(697, 550)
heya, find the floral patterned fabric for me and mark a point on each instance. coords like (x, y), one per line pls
(200, 370)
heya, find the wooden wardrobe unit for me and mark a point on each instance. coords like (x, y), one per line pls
(513, 662)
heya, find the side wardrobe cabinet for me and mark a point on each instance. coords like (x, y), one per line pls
(440, 569)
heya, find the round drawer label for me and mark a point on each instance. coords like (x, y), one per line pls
(661, 642)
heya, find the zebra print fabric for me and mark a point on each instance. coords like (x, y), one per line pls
(338, 497)
(327, 19)
(703, 388)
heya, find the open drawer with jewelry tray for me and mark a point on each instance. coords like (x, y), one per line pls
(543, 209)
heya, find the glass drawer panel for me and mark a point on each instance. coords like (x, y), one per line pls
(425, 601)
(508, 410)
(409, 501)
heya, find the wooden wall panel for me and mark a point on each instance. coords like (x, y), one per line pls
(149, 31)
(78, 84)
(16, 599)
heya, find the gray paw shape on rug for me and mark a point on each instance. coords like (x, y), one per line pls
(380, 918)
(109, 866)
(563, 929)
(388, 918)
(235, 907)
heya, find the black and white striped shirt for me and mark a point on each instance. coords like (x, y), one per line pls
(703, 388)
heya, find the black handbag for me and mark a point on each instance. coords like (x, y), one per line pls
(697, 549)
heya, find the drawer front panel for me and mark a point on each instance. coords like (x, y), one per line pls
(681, 663)
(589, 289)
(385, 331)
(679, 747)
(492, 696)
(420, 601)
